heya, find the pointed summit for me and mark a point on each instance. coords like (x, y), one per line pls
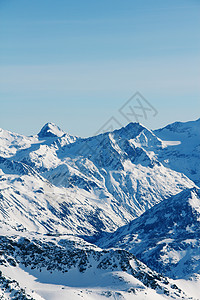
(50, 130)
(130, 131)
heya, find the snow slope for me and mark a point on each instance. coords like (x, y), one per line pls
(30, 202)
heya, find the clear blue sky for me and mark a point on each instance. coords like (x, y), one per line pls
(75, 63)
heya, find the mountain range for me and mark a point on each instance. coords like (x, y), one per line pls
(122, 206)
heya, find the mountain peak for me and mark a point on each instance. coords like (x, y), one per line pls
(134, 125)
(131, 130)
(50, 130)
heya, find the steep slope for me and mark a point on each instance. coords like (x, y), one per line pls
(11, 142)
(50, 130)
(181, 151)
(166, 237)
(30, 202)
(55, 187)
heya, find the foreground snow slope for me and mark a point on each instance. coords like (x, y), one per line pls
(60, 267)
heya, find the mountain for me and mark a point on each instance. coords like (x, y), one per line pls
(50, 130)
(59, 191)
(181, 151)
(166, 237)
(29, 202)
(11, 142)
(84, 186)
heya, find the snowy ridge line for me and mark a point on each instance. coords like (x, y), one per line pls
(86, 194)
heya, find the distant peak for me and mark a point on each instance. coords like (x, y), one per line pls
(130, 131)
(134, 125)
(50, 130)
(132, 128)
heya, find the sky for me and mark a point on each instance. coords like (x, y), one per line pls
(80, 64)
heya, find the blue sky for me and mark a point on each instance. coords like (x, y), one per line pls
(76, 63)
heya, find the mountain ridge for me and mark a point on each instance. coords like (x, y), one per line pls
(166, 237)
(132, 186)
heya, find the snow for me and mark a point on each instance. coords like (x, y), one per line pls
(185, 154)
(116, 285)
(195, 203)
(50, 181)
(58, 188)
(50, 130)
(167, 242)
(170, 143)
(190, 287)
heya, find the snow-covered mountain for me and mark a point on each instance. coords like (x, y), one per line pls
(55, 187)
(182, 150)
(30, 202)
(50, 130)
(166, 237)
(11, 142)
(110, 178)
